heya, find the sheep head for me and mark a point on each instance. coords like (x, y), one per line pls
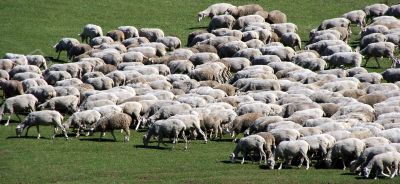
(232, 157)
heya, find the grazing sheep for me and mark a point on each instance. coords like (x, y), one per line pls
(11, 88)
(152, 34)
(82, 120)
(213, 10)
(37, 60)
(192, 123)
(243, 122)
(285, 135)
(65, 44)
(129, 31)
(112, 122)
(291, 39)
(356, 17)
(391, 75)
(62, 104)
(284, 53)
(379, 49)
(169, 128)
(116, 35)
(42, 93)
(375, 10)
(67, 90)
(170, 42)
(248, 144)
(393, 135)
(245, 10)
(372, 38)
(367, 155)
(242, 22)
(77, 50)
(90, 31)
(388, 160)
(287, 150)
(347, 150)
(276, 17)
(283, 28)
(221, 21)
(37, 118)
(341, 59)
(20, 103)
(101, 83)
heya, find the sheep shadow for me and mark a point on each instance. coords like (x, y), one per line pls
(52, 59)
(98, 140)
(152, 147)
(222, 140)
(27, 137)
(198, 27)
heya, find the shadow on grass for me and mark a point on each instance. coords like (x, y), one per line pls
(152, 147)
(349, 174)
(221, 140)
(198, 27)
(52, 59)
(97, 140)
(27, 137)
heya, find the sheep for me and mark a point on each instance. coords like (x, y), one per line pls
(170, 42)
(62, 104)
(375, 10)
(230, 48)
(284, 53)
(107, 110)
(152, 34)
(285, 135)
(64, 45)
(336, 49)
(391, 75)
(269, 146)
(383, 161)
(90, 31)
(11, 88)
(379, 49)
(320, 46)
(221, 21)
(129, 31)
(42, 93)
(112, 122)
(248, 144)
(393, 135)
(88, 105)
(287, 150)
(24, 68)
(17, 104)
(335, 22)
(192, 123)
(276, 17)
(101, 83)
(52, 77)
(132, 42)
(77, 50)
(67, 90)
(346, 149)
(372, 99)
(242, 122)
(356, 17)
(245, 10)
(242, 22)
(363, 160)
(372, 38)
(82, 120)
(37, 118)
(105, 69)
(37, 60)
(291, 39)
(343, 59)
(6, 64)
(283, 28)
(213, 10)
(97, 41)
(172, 128)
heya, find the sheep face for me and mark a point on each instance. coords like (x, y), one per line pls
(232, 157)
(366, 172)
(145, 140)
(18, 130)
(271, 163)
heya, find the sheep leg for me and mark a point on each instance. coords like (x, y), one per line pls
(137, 126)
(366, 61)
(395, 170)
(185, 139)
(202, 134)
(112, 133)
(78, 132)
(8, 120)
(379, 66)
(101, 136)
(127, 134)
(27, 129)
(38, 135)
(19, 118)
(58, 57)
(244, 156)
(344, 164)
(280, 166)
(307, 162)
(301, 162)
(174, 140)
(262, 154)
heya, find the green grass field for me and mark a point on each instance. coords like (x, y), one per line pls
(35, 26)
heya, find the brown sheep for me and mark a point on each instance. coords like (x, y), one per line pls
(77, 50)
(11, 88)
(227, 88)
(110, 123)
(263, 14)
(276, 16)
(105, 69)
(372, 99)
(269, 147)
(116, 35)
(329, 108)
(205, 48)
(353, 93)
(243, 122)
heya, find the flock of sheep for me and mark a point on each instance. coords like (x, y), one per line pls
(240, 76)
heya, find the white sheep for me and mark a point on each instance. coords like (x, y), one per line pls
(287, 150)
(171, 128)
(248, 144)
(90, 31)
(213, 10)
(82, 120)
(45, 117)
(381, 162)
(112, 122)
(18, 104)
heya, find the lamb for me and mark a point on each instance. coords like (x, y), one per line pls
(287, 150)
(248, 144)
(37, 118)
(82, 120)
(90, 31)
(343, 59)
(65, 44)
(152, 34)
(62, 104)
(171, 128)
(11, 88)
(20, 103)
(213, 10)
(112, 122)
(381, 162)
(379, 49)
(346, 149)
(221, 21)
(276, 17)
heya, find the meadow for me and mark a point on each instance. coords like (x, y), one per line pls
(33, 27)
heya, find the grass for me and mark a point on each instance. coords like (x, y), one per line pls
(30, 27)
